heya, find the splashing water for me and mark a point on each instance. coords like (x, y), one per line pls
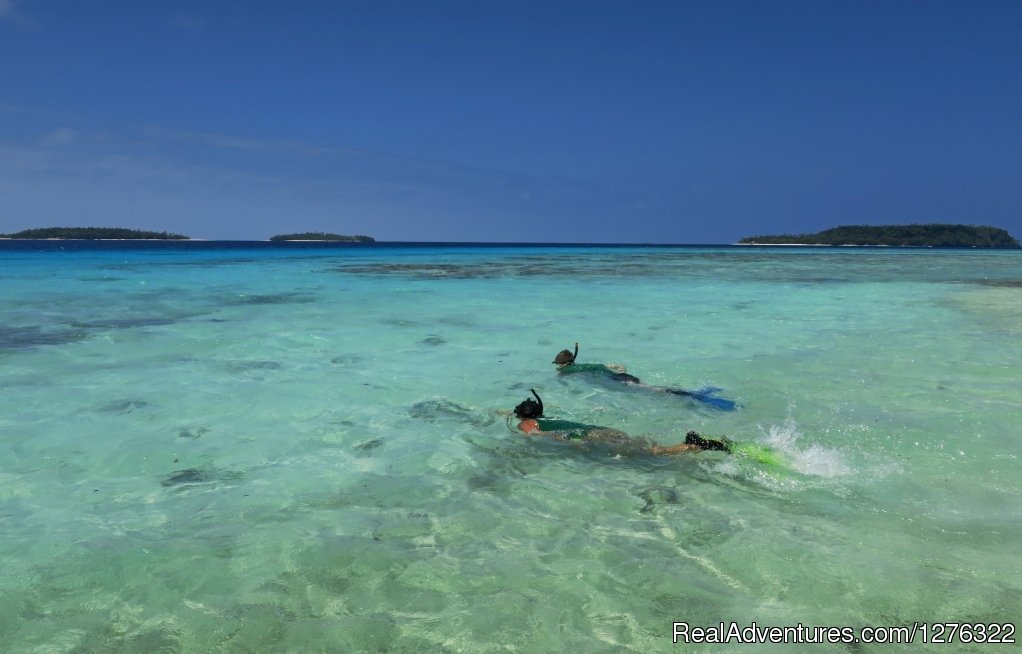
(814, 460)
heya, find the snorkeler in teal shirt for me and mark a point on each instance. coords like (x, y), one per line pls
(530, 412)
(566, 365)
(532, 423)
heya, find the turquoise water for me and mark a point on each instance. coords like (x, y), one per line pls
(244, 448)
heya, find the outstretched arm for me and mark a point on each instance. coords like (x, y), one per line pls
(667, 450)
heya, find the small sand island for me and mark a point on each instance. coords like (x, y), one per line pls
(94, 233)
(323, 236)
(932, 235)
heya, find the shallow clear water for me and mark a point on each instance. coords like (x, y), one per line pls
(244, 447)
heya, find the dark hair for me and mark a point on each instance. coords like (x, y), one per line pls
(565, 356)
(530, 408)
(693, 438)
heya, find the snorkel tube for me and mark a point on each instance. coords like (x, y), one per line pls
(538, 398)
(566, 358)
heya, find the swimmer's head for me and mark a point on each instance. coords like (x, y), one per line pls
(530, 408)
(564, 357)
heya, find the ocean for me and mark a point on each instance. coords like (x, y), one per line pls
(265, 447)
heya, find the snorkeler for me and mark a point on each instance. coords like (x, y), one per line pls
(566, 365)
(530, 412)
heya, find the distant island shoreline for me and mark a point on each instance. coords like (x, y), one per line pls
(935, 235)
(93, 233)
(886, 236)
(124, 234)
(323, 237)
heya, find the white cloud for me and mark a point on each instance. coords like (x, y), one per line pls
(7, 8)
(217, 197)
(11, 14)
(35, 112)
(60, 137)
(220, 186)
(185, 21)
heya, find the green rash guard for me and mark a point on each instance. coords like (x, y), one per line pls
(571, 430)
(585, 367)
(599, 369)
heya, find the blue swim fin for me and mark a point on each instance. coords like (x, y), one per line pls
(705, 395)
(721, 403)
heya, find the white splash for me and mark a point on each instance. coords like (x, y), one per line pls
(814, 460)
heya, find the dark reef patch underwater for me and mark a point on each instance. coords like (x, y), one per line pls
(17, 338)
(738, 264)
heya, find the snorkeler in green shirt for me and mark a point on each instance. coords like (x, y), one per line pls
(530, 413)
(566, 365)
(532, 423)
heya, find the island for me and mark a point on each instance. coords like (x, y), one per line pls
(323, 236)
(94, 233)
(914, 235)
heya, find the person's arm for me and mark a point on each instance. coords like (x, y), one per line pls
(693, 443)
(667, 450)
(562, 430)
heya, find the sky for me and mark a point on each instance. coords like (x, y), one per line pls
(509, 121)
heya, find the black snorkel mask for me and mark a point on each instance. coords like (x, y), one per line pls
(530, 408)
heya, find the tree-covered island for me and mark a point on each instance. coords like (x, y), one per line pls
(94, 233)
(323, 236)
(931, 235)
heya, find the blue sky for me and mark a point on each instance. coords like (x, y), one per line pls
(476, 120)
